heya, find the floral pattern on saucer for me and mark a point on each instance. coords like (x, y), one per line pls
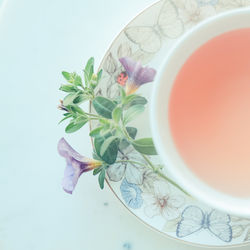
(157, 203)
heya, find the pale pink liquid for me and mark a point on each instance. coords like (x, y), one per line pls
(210, 112)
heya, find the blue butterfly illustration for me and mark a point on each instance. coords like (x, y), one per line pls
(131, 194)
(193, 219)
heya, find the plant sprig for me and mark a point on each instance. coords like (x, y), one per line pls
(113, 133)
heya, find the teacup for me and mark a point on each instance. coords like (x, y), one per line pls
(162, 131)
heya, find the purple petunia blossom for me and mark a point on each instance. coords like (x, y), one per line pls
(76, 165)
(137, 75)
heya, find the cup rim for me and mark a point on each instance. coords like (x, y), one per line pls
(166, 149)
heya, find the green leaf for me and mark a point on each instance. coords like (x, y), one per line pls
(116, 100)
(106, 144)
(81, 119)
(111, 153)
(132, 113)
(68, 88)
(129, 99)
(99, 75)
(138, 100)
(89, 70)
(93, 84)
(122, 93)
(105, 131)
(98, 141)
(103, 106)
(116, 114)
(97, 170)
(96, 157)
(118, 132)
(73, 127)
(80, 99)
(145, 146)
(76, 109)
(69, 99)
(66, 75)
(72, 78)
(104, 121)
(89, 64)
(123, 144)
(77, 81)
(96, 132)
(101, 178)
(65, 118)
(132, 100)
(132, 132)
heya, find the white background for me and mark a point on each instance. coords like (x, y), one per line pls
(39, 39)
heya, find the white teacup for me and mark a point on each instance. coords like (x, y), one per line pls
(160, 125)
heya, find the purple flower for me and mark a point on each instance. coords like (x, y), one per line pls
(76, 165)
(137, 75)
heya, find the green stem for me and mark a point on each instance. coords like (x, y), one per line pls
(149, 162)
(159, 172)
(171, 181)
(126, 134)
(94, 118)
(93, 115)
(155, 169)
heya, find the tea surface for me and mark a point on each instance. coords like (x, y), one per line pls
(209, 112)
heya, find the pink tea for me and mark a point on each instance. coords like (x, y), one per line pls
(209, 112)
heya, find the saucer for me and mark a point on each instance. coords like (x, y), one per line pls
(155, 202)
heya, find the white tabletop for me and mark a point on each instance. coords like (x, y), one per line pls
(39, 39)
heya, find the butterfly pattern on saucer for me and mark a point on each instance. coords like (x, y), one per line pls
(193, 220)
(149, 38)
(131, 194)
(158, 28)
